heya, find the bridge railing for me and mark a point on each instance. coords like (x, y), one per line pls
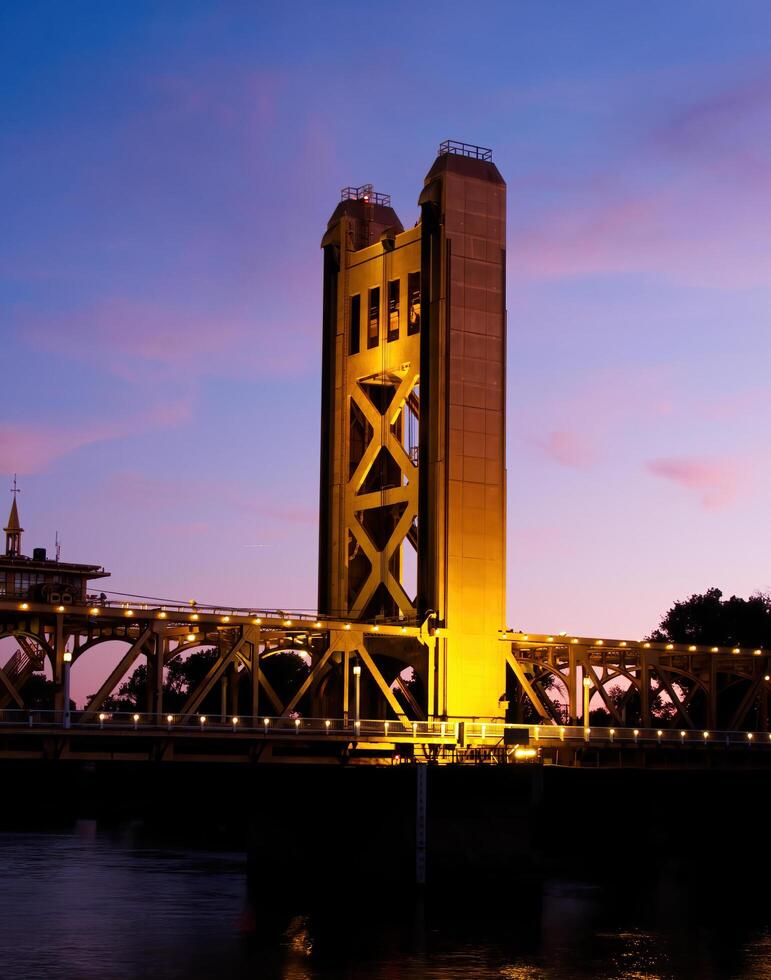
(449, 733)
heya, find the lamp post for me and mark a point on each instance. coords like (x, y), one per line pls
(587, 686)
(66, 664)
(357, 692)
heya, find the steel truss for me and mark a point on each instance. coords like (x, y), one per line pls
(356, 668)
(682, 686)
(343, 658)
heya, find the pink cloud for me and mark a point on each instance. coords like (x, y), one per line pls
(717, 482)
(567, 447)
(33, 448)
(141, 341)
(689, 205)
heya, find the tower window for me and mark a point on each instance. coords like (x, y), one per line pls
(373, 323)
(393, 309)
(354, 336)
(413, 302)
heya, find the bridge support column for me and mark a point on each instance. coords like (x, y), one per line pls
(59, 643)
(712, 694)
(645, 683)
(571, 686)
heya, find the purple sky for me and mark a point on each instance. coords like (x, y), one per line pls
(166, 173)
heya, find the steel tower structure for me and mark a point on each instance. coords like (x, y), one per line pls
(413, 474)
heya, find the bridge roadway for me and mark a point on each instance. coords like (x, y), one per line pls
(132, 736)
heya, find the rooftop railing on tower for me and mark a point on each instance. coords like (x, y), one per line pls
(365, 193)
(466, 150)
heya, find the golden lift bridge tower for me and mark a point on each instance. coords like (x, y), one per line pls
(413, 467)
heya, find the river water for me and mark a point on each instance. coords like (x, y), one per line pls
(90, 905)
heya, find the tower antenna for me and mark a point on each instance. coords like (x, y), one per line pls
(58, 546)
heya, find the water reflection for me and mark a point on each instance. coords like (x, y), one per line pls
(91, 905)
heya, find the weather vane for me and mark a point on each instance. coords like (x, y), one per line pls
(14, 488)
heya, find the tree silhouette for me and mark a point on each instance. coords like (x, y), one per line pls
(709, 619)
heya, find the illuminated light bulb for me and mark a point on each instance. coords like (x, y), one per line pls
(574, 641)
(757, 652)
(297, 723)
(317, 625)
(235, 721)
(102, 716)
(226, 619)
(161, 615)
(67, 657)
(60, 608)
(692, 648)
(613, 731)
(404, 629)
(587, 682)
(562, 633)
(169, 718)
(767, 677)
(549, 639)
(129, 612)
(714, 649)
(194, 616)
(376, 629)
(190, 637)
(525, 636)
(736, 650)
(266, 722)
(598, 643)
(357, 724)
(646, 645)
(636, 732)
(347, 626)
(622, 643)
(706, 734)
(256, 620)
(562, 731)
(136, 717)
(287, 622)
(385, 727)
(749, 735)
(202, 719)
(682, 734)
(588, 731)
(327, 723)
(659, 733)
(24, 605)
(670, 646)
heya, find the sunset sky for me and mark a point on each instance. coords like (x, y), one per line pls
(167, 171)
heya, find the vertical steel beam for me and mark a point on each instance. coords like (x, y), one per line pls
(159, 659)
(346, 684)
(645, 684)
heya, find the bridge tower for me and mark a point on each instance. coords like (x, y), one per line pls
(413, 479)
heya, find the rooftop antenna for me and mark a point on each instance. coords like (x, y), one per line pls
(58, 546)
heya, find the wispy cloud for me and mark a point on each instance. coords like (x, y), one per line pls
(567, 447)
(686, 200)
(143, 342)
(33, 448)
(716, 482)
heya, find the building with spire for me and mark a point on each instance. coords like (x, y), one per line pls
(40, 578)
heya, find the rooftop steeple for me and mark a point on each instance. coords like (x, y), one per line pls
(14, 530)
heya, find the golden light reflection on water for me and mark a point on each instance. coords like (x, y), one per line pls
(525, 972)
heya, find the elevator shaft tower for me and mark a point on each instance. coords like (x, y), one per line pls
(413, 478)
